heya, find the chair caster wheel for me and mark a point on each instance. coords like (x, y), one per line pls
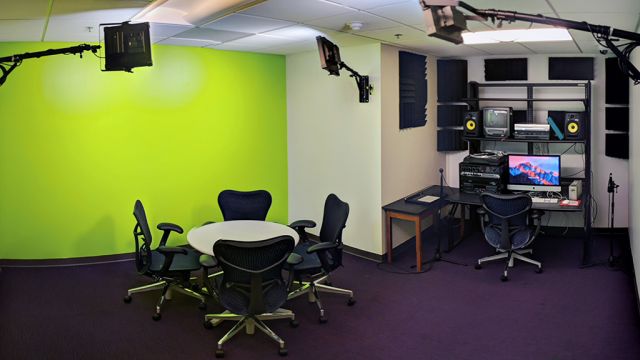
(504, 278)
(478, 267)
(207, 324)
(322, 319)
(219, 353)
(156, 317)
(283, 352)
(202, 306)
(539, 270)
(351, 302)
(294, 323)
(127, 299)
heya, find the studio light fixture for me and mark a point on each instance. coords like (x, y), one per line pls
(516, 35)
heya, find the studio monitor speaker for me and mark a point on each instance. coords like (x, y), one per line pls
(573, 126)
(472, 124)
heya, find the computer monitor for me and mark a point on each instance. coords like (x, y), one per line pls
(534, 172)
(329, 55)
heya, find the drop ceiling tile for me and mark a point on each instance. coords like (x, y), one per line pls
(186, 42)
(597, 6)
(231, 46)
(297, 11)
(404, 12)
(211, 35)
(369, 22)
(23, 10)
(260, 41)
(553, 47)
(73, 30)
(389, 35)
(293, 48)
(503, 49)
(163, 31)
(247, 24)
(21, 30)
(369, 4)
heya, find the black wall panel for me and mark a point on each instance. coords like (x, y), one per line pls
(616, 83)
(505, 69)
(617, 118)
(452, 80)
(413, 90)
(571, 68)
(451, 140)
(451, 115)
(617, 145)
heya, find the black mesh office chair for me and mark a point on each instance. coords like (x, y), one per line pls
(169, 267)
(244, 205)
(320, 259)
(252, 288)
(505, 224)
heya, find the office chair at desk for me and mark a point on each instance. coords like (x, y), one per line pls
(320, 259)
(169, 267)
(504, 221)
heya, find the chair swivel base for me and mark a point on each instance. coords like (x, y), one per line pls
(250, 323)
(510, 256)
(313, 288)
(167, 289)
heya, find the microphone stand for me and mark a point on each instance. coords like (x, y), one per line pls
(612, 189)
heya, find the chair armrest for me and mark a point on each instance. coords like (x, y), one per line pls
(294, 259)
(170, 227)
(323, 246)
(208, 261)
(302, 224)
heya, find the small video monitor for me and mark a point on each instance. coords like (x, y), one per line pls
(127, 46)
(534, 173)
(329, 55)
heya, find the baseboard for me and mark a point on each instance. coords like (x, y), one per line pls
(354, 251)
(90, 260)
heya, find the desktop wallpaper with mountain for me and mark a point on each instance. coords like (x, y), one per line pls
(534, 170)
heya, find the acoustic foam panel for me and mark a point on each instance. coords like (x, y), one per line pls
(505, 69)
(617, 119)
(451, 140)
(616, 83)
(571, 68)
(413, 90)
(617, 145)
(452, 80)
(451, 115)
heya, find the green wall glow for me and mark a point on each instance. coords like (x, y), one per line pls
(78, 146)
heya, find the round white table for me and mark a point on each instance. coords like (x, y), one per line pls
(202, 238)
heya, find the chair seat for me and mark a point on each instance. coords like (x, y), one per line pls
(188, 262)
(238, 301)
(310, 262)
(519, 239)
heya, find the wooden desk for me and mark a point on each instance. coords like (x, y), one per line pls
(401, 209)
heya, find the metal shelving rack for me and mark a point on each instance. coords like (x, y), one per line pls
(473, 100)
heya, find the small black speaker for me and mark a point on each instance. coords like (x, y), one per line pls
(573, 126)
(472, 124)
(127, 46)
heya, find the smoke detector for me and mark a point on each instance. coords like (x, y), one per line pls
(354, 25)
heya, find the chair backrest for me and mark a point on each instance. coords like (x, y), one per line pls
(253, 266)
(334, 220)
(507, 213)
(244, 205)
(143, 239)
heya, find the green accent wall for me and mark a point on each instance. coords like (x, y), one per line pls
(78, 146)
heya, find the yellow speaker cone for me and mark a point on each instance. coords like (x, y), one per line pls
(572, 127)
(471, 125)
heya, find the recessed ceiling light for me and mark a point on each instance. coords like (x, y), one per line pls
(516, 35)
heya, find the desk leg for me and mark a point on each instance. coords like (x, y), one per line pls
(418, 245)
(388, 236)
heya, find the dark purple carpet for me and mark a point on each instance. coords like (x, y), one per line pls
(449, 312)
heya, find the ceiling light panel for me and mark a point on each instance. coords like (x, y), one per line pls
(408, 13)
(212, 35)
(247, 23)
(530, 35)
(297, 33)
(163, 31)
(192, 12)
(296, 11)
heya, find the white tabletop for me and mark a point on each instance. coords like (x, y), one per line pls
(202, 238)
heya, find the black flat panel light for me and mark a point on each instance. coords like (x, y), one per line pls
(505, 69)
(617, 145)
(127, 46)
(617, 119)
(571, 68)
(451, 115)
(616, 83)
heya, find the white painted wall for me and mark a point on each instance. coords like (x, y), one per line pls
(410, 160)
(601, 165)
(334, 143)
(634, 171)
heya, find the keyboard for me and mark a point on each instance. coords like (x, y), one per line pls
(544, 200)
